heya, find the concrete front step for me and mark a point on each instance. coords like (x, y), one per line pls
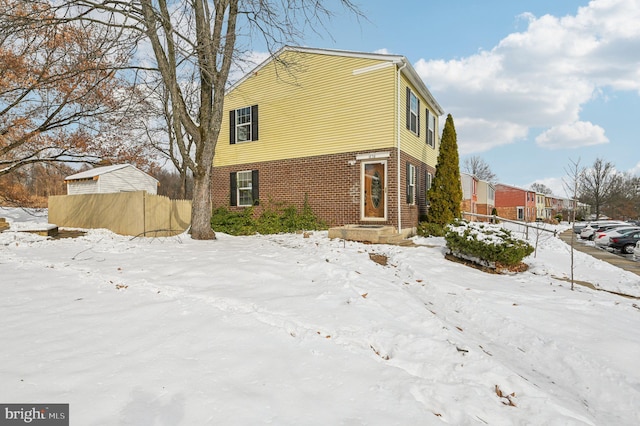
(376, 234)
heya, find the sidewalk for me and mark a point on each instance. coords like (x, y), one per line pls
(614, 259)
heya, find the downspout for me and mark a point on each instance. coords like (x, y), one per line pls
(398, 147)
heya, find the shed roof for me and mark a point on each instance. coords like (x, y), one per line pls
(101, 171)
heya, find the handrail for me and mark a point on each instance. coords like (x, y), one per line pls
(496, 217)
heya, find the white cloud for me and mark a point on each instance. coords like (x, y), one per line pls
(383, 51)
(478, 135)
(635, 170)
(248, 62)
(542, 77)
(573, 135)
(556, 186)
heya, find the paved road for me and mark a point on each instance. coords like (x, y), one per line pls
(601, 254)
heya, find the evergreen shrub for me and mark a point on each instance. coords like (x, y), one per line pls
(275, 218)
(233, 223)
(486, 242)
(429, 229)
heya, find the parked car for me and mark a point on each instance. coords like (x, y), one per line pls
(626, 244)
(579, 226)
(602, 238)
(636, 252)
(588, 233)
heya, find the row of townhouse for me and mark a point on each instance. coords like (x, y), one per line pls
(355, 135)
(511, 202)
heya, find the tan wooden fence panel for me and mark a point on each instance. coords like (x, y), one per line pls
(126, 213)
(180, 214)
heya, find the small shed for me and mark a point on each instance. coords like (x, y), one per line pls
(110, 179)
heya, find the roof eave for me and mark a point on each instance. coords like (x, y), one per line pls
(399, 60)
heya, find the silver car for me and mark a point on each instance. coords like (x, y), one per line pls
(602, 238)
(589, 231)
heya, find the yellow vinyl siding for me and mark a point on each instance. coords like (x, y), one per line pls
(317, 107)
(417, 146)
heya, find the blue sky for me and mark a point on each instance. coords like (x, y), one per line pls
(531, 84)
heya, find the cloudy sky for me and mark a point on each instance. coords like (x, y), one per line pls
(532, 85)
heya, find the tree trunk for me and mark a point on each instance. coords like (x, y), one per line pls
(201, 206)
(183, 183)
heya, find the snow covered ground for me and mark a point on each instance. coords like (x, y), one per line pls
(286, 330)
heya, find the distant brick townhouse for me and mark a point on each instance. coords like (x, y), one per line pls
(516, 203)
(356, 134)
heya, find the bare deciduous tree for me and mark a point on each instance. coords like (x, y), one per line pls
(598, 183)
(541, 188)
(476, 166)
(200, 38)
(624, 202)
(574, 175)
(58, 87)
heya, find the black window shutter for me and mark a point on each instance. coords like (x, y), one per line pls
(409, 194)
(254, 123)
(255, 187)
(232, 127)
(426, 110)
(408, 108)
(418, 118)
(233, 191)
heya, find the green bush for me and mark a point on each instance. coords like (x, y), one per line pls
(428, 229)
(486, 242)
(234, 223)
(274, 219)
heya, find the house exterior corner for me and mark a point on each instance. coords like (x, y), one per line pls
(355, 135)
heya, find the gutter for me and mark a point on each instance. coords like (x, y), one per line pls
(404, 64)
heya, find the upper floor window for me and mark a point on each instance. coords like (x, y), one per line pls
(413, 112)
(431, 129)
(243, 124)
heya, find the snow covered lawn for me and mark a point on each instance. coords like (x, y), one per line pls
(287, 330)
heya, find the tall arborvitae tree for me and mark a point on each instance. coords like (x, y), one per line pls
(445, 194)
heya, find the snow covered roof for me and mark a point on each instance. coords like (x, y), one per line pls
(88, 174)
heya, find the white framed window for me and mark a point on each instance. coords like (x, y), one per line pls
(520, 213)
(243, 124)
(427, 186)
(411, 184)
(431, 130)
(413, 112)
(244, 188)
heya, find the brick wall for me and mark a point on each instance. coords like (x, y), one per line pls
(332, 184)
(508, 212)
(484, 209)
(508, 199)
